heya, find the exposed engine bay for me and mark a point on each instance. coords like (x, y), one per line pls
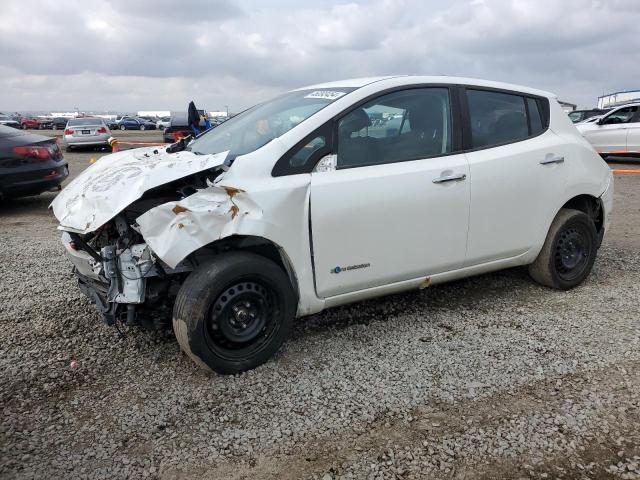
(118, 271)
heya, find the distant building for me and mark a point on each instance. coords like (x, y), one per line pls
(618, 98)
(154, 113)
(168, 113)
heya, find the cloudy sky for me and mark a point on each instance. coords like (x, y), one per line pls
(130, 55)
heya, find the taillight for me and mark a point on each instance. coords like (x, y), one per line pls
(68, 131)
(102, 130)
(41, 153)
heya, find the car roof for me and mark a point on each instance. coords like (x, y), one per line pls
(632, 104)
(416, 79)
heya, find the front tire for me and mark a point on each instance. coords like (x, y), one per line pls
(122, 127)
(142, 127)
(233, 313)
(568, 253)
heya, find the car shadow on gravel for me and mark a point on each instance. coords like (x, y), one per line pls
(469, 293)
(38, 204)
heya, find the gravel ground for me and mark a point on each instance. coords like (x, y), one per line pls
(489, 377)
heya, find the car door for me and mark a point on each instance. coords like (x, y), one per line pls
(396, 205)
(517, 173)
(609, 135)
(633, 134)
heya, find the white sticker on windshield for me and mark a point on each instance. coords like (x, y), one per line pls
(326, 94)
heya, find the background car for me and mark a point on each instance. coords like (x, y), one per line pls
(135, 123)
(86, 132)
(616, 133)
(45, 123)
(163, 123)
(29, 164)
(581, 115)
(179, 128)
(58, 123)
(29, 123)
(8, 121)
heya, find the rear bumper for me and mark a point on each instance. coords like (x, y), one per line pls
(33, 182)
(102, 139)
(607, 203)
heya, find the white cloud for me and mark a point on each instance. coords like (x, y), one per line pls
(124, 55)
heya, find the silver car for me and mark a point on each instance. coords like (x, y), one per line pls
(86, 132)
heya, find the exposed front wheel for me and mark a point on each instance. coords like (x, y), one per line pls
(142, 127)
(234, 313)
(122, 127)
(569, 251)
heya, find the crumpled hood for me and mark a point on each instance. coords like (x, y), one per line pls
(115, 181)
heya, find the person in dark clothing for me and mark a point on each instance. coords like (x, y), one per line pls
(193, 118)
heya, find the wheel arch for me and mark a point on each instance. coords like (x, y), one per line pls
(258, 245)
(590, 205)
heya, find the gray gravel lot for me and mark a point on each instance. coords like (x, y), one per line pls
(489, 377)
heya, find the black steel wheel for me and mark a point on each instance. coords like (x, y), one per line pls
(573, 248)
(569, 251)
(242, 316)
(234, 313)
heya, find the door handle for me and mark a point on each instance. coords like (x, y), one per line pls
(551, 158)
(450, 178)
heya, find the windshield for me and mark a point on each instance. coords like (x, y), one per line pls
(258, 125)
(85, 121)
(575, 116)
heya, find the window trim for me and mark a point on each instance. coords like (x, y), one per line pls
(283, 168)
(453, 112)
(460, 125)
(543, 107)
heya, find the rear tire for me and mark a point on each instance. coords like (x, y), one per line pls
(568, 253)
(233, 313)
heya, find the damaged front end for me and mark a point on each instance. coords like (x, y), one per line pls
(119, 273)
(115, 266)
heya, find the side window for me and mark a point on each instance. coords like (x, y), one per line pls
(496, 118)
(535, 119)
(624, 115)
(400, 126)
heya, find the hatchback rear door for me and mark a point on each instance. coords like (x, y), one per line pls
(517, 173)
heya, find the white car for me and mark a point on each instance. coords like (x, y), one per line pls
(301, 204)
(86, 132)
(163, 123)
(616, 133)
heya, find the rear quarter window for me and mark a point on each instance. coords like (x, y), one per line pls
(498, 118)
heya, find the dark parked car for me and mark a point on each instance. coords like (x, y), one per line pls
(581, 115)
(29, 164)
(135, 123)
(58, 123)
